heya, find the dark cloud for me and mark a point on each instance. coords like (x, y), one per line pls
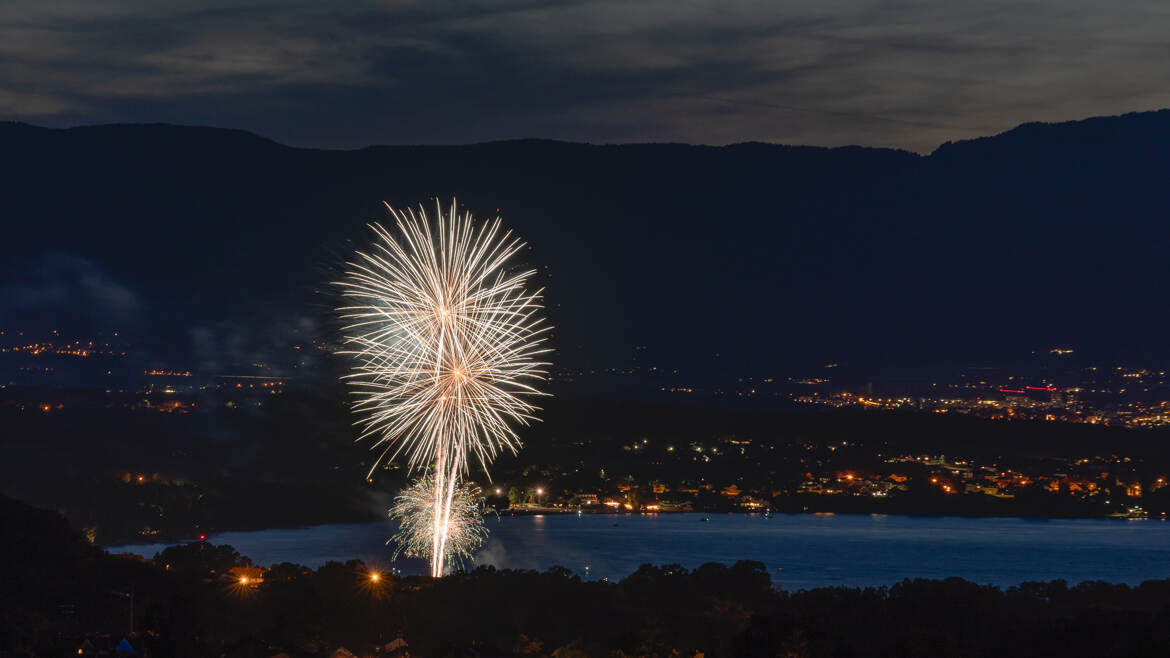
(272, 346)
(903, 73)
(69, 286)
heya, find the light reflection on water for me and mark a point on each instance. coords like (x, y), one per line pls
(800, 551)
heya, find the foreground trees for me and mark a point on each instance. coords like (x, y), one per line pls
(58, 592)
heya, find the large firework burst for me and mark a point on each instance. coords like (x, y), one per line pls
(447, 345)
(414, 509)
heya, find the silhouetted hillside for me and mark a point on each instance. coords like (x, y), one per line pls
(211, 243)
(61, 601)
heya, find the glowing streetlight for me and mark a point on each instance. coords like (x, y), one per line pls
(375, 576)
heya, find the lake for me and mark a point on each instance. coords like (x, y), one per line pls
(800, 551)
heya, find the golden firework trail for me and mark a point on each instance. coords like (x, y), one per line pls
(447, 345)
(414, 510)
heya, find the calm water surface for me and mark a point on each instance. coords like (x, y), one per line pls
(800, 551)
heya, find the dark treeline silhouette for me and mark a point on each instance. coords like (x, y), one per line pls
(58, 593)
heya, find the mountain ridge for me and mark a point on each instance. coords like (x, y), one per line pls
(1033, 127)
(745, 257)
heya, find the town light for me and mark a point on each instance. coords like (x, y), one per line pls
(375, 576)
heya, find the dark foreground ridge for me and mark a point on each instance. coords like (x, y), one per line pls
(60, 595)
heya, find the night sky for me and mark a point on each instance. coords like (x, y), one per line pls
(906, 73)
(747, 259)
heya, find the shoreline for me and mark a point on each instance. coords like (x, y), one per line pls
(173, 540)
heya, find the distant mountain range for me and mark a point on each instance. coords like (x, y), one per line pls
(213, 247)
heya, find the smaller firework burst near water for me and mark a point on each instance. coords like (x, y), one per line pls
(414, 509)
